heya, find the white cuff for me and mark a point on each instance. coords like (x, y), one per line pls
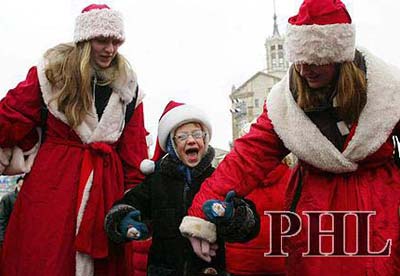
(198, 228)
(19, 161)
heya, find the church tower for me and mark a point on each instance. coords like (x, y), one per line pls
(275, 56)
(248, 98)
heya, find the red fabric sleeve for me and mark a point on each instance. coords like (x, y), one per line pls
(20, 113)
(133, 148)
(245, 167)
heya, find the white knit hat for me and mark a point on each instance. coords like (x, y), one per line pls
(98, 20)
(321, 33)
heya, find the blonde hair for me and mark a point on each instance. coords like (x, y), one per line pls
(351, 96)
(70, 71)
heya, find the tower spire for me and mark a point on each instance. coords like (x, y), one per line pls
(276, 31)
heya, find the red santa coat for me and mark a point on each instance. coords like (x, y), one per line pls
(137, 257)
(57, 223)
(248, 258)
(361, 177)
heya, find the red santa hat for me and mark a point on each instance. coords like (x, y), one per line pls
(174, 115)
(98, 20)
(321, 33)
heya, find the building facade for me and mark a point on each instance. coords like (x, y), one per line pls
(248, 99)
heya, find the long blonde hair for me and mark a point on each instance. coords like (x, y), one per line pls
(351, 86)
(69, 70)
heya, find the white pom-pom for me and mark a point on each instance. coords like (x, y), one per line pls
(147, 166)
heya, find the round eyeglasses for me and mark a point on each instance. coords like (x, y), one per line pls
(183, 136)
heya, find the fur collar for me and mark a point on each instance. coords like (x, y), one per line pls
(169, 165)
(110, 127)
(376, 122)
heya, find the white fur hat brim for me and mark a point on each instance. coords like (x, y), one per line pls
(320, 44)
(178, 116)
(97, 23)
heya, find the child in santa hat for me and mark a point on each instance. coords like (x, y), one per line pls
(155, 207)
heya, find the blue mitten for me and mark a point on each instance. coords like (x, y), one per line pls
(220, 211)
(133, 229)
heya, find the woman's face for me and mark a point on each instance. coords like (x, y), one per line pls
(189, 143)
(104, 50)
(317, 76)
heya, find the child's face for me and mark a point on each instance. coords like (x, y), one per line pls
(189, 143)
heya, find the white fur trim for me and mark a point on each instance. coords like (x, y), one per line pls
(300, 135)
(20, 161)
(178, 116)
(381, 112)
(378, 118)
(83, 203)
(84, 265)
(99, 22)
(320, 44)
(198, 228)
(112, 122)
(147, 166)
(149, 140)
(125, 86)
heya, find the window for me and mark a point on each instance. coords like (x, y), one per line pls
(280, 47)
(257, 103)
(272, 47)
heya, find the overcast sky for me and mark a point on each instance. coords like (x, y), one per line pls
(191, 51)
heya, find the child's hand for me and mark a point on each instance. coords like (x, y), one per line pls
(133, 229)
(203, 248)
(217, 210)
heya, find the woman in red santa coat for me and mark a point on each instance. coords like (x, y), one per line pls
(336, 110)
(90, 154)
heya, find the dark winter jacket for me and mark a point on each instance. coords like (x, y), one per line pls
(163, 201)
(6, 206)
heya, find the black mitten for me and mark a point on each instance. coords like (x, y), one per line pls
(243, 226)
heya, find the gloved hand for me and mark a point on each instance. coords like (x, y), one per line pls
(219, 211)
(133, 229)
